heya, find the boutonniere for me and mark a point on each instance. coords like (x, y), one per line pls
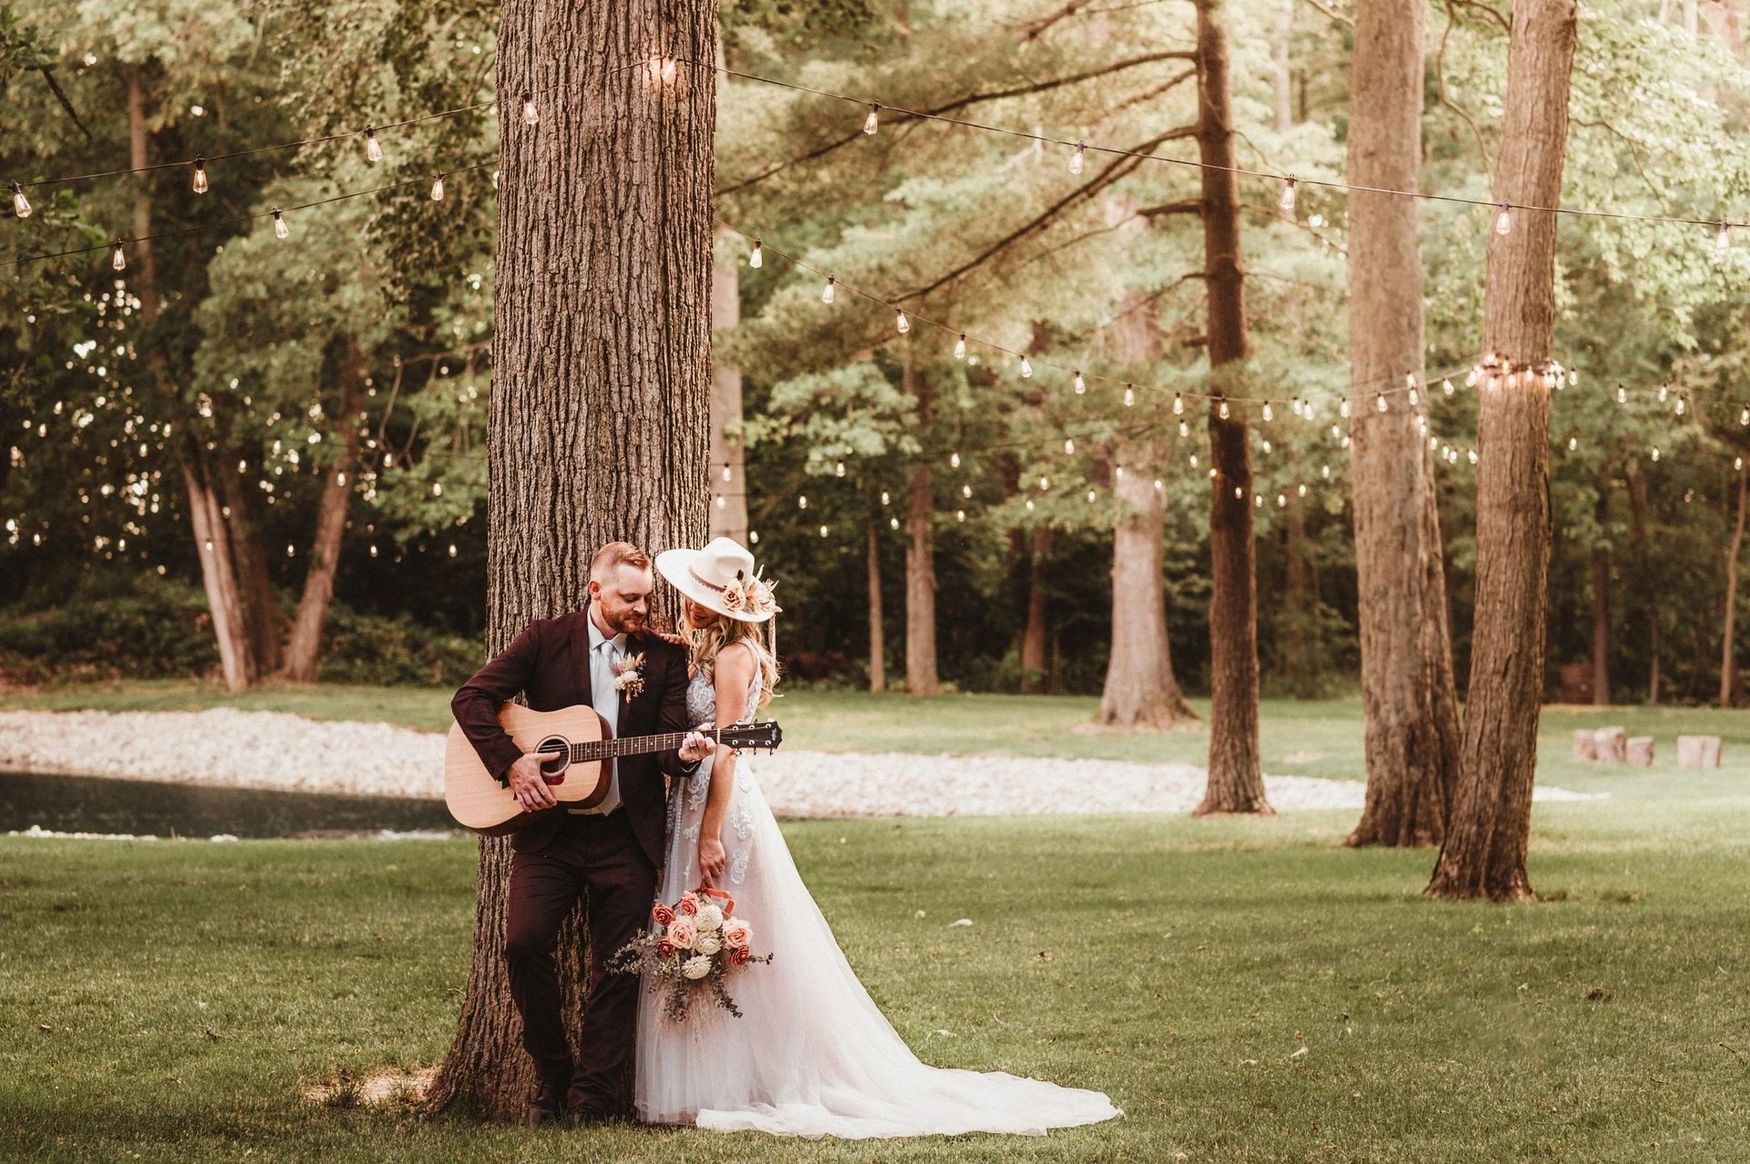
(629, 676)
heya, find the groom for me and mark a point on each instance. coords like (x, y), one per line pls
(601, 656)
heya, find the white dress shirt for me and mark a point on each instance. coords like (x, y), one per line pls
(603, 654)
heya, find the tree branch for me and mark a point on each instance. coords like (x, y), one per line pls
(1440, 76)
(61, 96)
(1491, 13)
(898, 117)
(1119, 167)
(1182, 206)
(1634, 153)
(1332, 13)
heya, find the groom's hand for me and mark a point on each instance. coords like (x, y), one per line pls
(694, 748)
(529, 786)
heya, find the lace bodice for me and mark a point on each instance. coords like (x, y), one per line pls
(686, 805)
(702, 699)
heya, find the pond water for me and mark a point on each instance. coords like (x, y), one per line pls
(90, 804)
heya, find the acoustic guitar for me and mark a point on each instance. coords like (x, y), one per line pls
(582, 747)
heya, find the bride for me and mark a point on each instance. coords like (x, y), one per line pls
(813, 1055)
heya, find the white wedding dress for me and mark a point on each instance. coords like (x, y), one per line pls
(812, 1054)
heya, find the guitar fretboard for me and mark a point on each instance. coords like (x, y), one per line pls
(633, 745)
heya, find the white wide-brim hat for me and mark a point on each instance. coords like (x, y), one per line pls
(720, 577)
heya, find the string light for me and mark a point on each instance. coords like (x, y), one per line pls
(1621, 394)
(1069, 446)
(1223, 409)
(1446, 386)
(1178, 404)
(1744, 416)
(757, 257)
(1342, 410)
(118, 261)
(726, 472)
(1379, 404)
(437, 187)
(1285, 203)
(1076, 159)
(1504, 220)
(826, 292)
(901, 321)
(1129, 396)
(1723, 239)
(20, 204)
(1269, 413)
(373, 148)
(838, 470)
(1026, 368)
(280, 229)
(954, 459)
(1682, 400)
(1081, 384)
(872, 122)
(802, 501)
(1184, 430)
(960, 347)
(200, 175)
(530, 114)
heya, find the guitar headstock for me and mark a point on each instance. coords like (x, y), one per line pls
(766, 735)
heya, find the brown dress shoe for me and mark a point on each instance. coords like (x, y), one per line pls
(546, 1106)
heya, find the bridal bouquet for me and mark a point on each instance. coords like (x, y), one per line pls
(692, 947)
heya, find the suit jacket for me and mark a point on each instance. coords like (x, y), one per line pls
(549, 664)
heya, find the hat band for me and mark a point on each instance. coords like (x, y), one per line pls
(712, 586)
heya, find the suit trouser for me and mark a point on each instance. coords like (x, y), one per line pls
(598, 859)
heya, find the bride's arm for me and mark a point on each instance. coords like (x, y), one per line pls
(732, 675)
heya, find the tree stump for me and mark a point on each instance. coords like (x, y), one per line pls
(1640, 751)
(1698, 751)
(1585, 744)
(1611, 744)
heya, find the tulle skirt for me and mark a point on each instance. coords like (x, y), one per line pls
(812, 1055)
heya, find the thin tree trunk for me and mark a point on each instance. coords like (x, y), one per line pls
(1298, 606)
(1408, 693)
(920, 553)
(598, 426)
(1236, 778)
(728, 454)
(877, 622)
(1638, 506)
(261, 613)
(304, 646)
(1033, 633)
(1284, 65)
(206, 514)
(1488, 831)
(1601, 603)
(1728, 652)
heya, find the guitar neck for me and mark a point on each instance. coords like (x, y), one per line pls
(633, 745)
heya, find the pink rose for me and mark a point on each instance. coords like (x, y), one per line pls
(687, 906)
(662, 915)
(737, 934)
(665, 949)
(683, 934)
(739, 957)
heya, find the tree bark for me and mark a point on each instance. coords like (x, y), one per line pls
(729, 512)
(1033, 634)
(237, 660)
(261, 612)
(1601, 603)
(877, 621)
(1297, 600)
(1236, 779)
(1487, 833)
(304, 645)
(1408, 694)
(920, 552)
(602, 364)
(1728, 653)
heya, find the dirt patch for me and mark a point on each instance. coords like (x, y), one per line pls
(394, 1086)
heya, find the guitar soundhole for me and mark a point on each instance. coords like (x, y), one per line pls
(553, 770)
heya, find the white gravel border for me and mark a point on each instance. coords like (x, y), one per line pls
(276, 750)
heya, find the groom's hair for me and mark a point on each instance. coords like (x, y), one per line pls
(614, 555)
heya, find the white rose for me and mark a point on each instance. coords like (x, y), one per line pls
(707, 944)
(696, 967)
(710, 918)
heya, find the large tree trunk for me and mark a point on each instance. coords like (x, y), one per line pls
(1601, 603)
(304, 646)
(1408, 694)
(212, 541)
(877, 621)
(1236, 778)
(1033, 633)
(920, 552)
(1728, 652)
(1487, 832)
(602, 362)
(728, 454)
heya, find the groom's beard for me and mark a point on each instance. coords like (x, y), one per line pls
(627, 622)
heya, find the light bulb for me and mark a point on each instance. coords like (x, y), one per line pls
(530, 114)
(1081, 384)
(826, 293)
(1621, 394)
(280, 229)
(757, 257)
(1723, 240)
(1472, 456)
(1446, 387)
(1044, 484)
(1379, 402)
(20, 204)
(1343, 409)
(959, 515)
(1573, 443)
(1681, 401)
(1299, 407)
(753, 537)
(1178, 404)
(1655, 452)
(1184, 429)
(1129, 396)
(1026, 368)
(1664, 393)
(200, 175)
(1076, 159)
(960, 347)
(1069, 446)
(1269, 413)
(823, 531)
(901, 321)
(437, 188)
(966, 491)
(1504, 220)
(872, 122)
(1744, 416)
(117, 260)
(726, 473)
(1223, 410)
(1286, 202)
(373, 148)
(838, 470)
(802, 501)
(886, 497)
(1415, 398)
(954, 459)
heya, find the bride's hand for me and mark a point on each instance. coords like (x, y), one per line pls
(712, 859)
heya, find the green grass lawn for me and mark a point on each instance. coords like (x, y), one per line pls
(174, 1000)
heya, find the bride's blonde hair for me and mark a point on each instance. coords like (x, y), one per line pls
(704, 643)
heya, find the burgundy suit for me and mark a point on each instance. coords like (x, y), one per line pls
(610, 861)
